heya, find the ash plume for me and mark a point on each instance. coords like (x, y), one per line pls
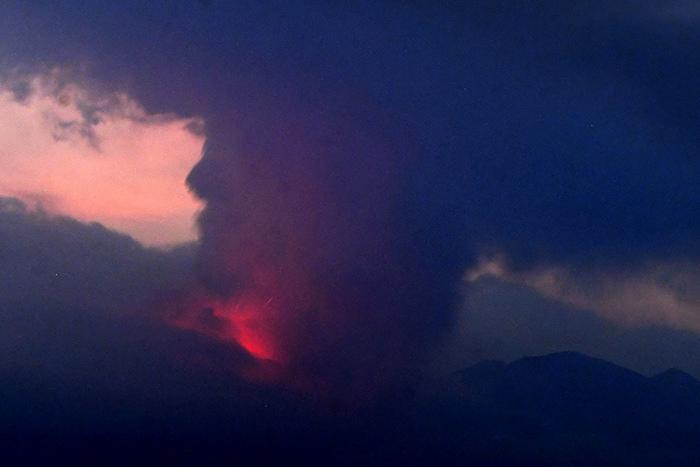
(322, 228)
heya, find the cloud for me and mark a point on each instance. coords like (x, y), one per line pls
(55, 261)
(654, 293)
(97, 156)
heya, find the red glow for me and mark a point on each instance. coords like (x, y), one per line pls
(248, 329)
(262, 318)
(241, 320)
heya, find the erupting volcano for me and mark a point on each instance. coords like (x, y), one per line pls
(317, 242)
(249, 321)
(243, 321)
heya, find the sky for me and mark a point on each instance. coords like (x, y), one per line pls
(339, 197)
(98, 157)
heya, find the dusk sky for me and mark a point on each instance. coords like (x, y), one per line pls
(98, 157)
(314, 201)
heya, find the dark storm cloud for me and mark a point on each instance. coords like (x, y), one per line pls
(597, 160)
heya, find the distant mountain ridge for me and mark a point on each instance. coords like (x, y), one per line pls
(574, 368)
(573, 409)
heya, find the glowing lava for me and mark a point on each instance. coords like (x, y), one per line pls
(248, 328)
(241, 320)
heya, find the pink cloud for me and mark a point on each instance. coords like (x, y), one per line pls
(98, 157)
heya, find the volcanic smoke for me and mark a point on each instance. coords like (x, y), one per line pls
(315, 253)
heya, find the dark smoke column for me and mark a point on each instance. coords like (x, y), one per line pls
(315, 240)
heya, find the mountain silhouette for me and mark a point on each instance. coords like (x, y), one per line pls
(571, 409)
(563, 409)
